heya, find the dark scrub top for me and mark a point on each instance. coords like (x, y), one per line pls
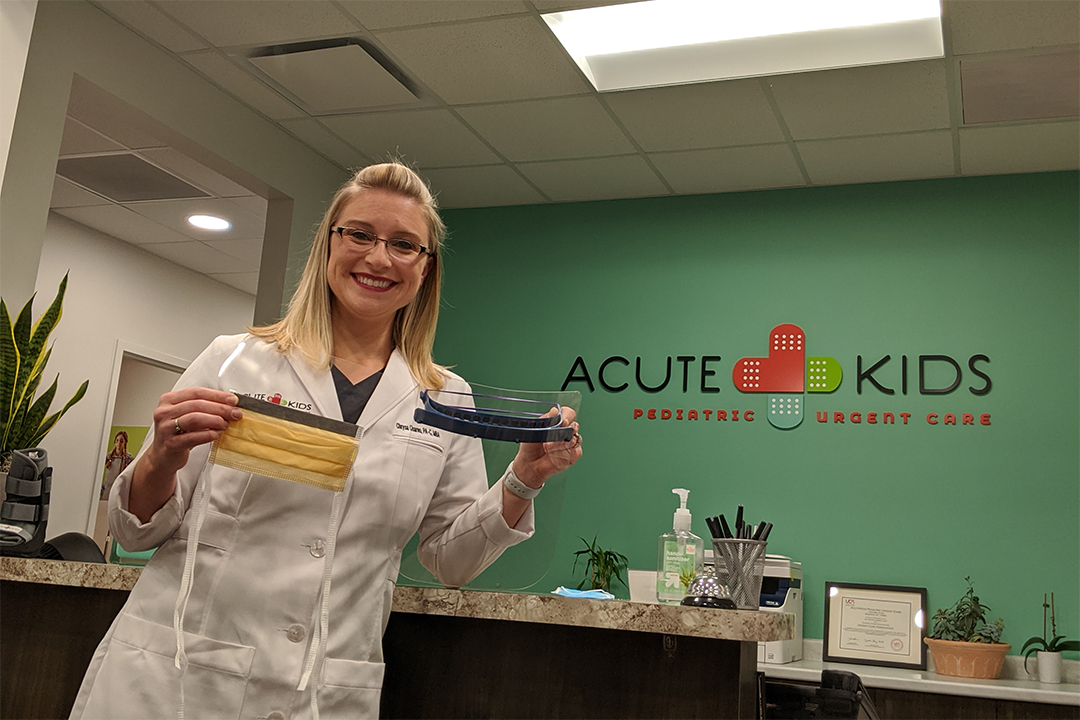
(353, 398)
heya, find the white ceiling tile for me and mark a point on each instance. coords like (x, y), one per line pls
(79, 139)
(872, 100)
(988, 26)
(148, 20)
(200, 258)
(325, 142)
(729, 169)
(382, 14)
(123, 224)
(430, 138)
(259, 22)
(1040, 147)
(686, 117)
(595, 178)
(487, 61)
(248, 251)
(246, 282)
(335, 79)
(556, 129)
(1021, 87)
(194, 172)
(238, 83)
(480, 187)
(881, 158)
(174, 214)
(66, 194)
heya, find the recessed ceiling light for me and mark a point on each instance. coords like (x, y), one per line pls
(209, 222)
(670, 42)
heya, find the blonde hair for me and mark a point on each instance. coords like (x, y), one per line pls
(306, 325)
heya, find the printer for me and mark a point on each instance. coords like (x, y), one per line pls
(781, 591)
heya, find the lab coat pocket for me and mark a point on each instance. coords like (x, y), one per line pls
(138, 678)
(422, 464)
(350, 689)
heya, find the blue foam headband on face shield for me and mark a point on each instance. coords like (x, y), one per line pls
(512, 425)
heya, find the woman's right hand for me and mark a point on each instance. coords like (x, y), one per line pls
(183, 420)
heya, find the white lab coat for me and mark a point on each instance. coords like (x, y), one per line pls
(257, 582)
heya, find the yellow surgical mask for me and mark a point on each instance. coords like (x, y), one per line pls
(288, 444)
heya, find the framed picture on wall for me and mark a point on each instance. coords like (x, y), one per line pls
(875, 625)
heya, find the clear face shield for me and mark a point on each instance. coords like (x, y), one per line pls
(502, 419)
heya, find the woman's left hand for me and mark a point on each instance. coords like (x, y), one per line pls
(536, 462)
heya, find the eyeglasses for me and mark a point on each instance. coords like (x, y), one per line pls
(400, 249)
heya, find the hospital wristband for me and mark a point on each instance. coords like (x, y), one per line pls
(515, 486)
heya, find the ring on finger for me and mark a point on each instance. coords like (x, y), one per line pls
(176, 424)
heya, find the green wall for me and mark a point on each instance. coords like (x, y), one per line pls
(955, 267)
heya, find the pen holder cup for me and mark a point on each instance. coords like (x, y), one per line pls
(740, 566)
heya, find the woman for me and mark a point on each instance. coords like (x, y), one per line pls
(290, 586)
(115, 462)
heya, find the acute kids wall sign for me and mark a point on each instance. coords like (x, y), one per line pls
(785, 376)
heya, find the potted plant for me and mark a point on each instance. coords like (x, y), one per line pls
(24, 351)
(1048, 652)
(963, 644)
(601, 566)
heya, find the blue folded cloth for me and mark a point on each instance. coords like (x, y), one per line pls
(594, 594)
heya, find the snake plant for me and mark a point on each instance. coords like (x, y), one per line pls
(24, 351)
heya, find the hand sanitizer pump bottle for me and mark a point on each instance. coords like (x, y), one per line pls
(681, 554)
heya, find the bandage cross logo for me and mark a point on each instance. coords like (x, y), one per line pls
(786, 375)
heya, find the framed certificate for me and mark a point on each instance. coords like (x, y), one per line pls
(875, 625)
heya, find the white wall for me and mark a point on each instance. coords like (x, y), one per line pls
(16, 23)
(137, 392)
(115, 292)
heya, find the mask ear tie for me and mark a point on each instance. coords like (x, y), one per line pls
(317, 650)
(198, 514)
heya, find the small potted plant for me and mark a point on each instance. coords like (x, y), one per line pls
(1048, 652)
(963, 644)
(601, 566)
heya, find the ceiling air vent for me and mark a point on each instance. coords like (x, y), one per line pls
(336, 75)
(125, 177)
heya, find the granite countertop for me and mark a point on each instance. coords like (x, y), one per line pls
(548, 609)
(73, 574)
(745, 625)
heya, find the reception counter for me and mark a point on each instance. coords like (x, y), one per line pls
(449, 653)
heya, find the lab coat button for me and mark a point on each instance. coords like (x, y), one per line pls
(275, 716)
(318, 549)
(295, 633)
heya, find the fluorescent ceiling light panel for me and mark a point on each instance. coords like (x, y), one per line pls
(671, 42)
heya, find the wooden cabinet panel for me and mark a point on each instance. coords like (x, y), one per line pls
(446, 667)
(48, 634)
